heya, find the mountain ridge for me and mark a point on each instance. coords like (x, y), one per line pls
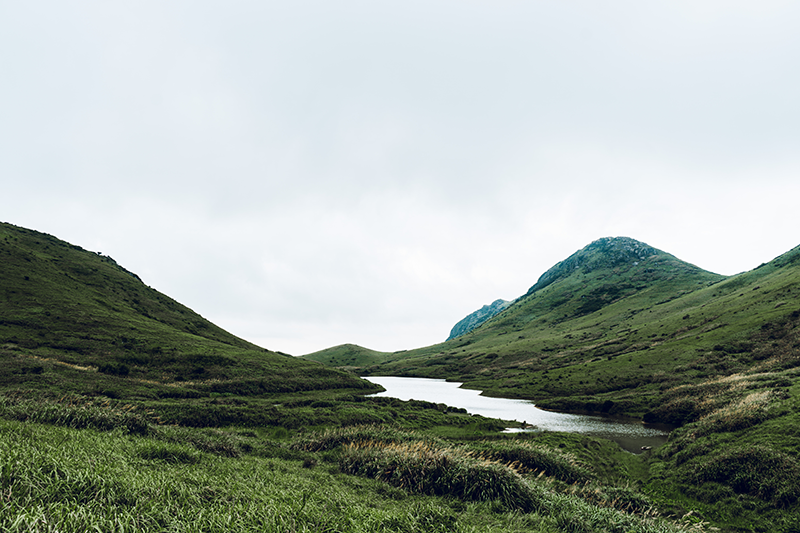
(615, 251)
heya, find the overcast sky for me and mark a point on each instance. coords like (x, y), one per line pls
(311, 173)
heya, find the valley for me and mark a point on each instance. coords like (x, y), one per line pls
(121, 409)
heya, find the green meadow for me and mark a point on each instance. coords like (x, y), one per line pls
(123, 410)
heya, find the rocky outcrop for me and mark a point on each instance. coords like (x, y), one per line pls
(477, 318)
(607, 252)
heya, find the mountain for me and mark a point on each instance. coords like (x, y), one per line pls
(605, 253)
(77, 321)
(473, 320)
(614, 326)
(601, 254)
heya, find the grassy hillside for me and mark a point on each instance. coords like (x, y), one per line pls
(75, 321)
(121, 410)
(622, 328)
(613, 326)
(347, 356)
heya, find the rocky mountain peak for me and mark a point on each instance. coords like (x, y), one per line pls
(607, 252)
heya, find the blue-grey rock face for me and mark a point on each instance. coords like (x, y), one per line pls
(477, 318)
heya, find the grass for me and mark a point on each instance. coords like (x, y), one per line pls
(656, 324)
(90, 481)
(57, 478)
(74, 314)
(122, 410)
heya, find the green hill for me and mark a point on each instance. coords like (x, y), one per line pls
(109, 388)
(347, 356)
(76, 321)
(613, 326)
(625, 329)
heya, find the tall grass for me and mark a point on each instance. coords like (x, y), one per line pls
(75, 411)
(59, 479)
(758, 471)
(423, 468)
(56, 478)
(738, 414)
(334, 438)
(727, 403)
(527, 457)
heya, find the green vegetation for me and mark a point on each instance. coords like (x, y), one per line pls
(347, 356)
(122, 410)
(621, 328)
(56, 478)
(613, 327)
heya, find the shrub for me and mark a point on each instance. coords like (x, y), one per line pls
(758, 471)
(528, 457)
(425, 468)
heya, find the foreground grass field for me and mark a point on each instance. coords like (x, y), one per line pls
(166, 478)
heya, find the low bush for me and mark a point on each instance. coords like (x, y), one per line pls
(528, 457)
(759, 471)
(427, 469)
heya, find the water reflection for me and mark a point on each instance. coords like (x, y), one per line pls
(630, 435)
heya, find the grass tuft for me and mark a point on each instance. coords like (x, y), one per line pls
(74, 411)
(424, 468)
(754, 470)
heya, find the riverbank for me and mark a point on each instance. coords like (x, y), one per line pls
(631, 435)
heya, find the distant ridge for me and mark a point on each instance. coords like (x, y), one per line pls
(474, 320)
(347, 355)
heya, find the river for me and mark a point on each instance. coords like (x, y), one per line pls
(630, 435)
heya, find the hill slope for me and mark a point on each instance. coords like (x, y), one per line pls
(75, 320)
(614, 325)
(347, 355)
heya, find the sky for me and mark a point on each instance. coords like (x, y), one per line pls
(312, 173)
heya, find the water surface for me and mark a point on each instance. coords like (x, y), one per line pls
(630, 435)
